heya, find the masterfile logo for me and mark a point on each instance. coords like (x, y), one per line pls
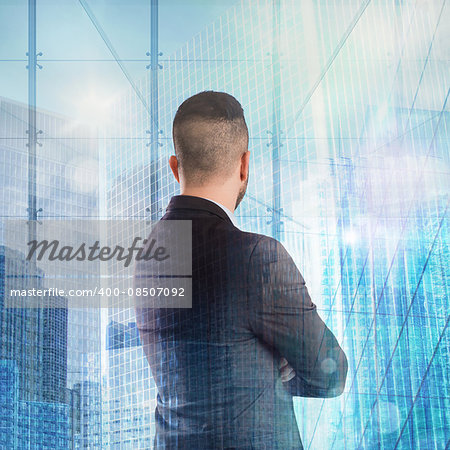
(54, 251)
(93, 263)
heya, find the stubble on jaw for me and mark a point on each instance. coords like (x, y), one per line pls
(241, 194)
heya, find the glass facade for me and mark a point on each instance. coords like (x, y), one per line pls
(347, 107)
(347, 113)
(47, 355)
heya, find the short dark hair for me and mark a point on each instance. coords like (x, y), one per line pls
(209, 135)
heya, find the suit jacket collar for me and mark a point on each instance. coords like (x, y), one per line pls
(196, 203)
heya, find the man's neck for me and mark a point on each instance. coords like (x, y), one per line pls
(224, 198)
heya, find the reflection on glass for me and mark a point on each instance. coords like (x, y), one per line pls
(360, 200)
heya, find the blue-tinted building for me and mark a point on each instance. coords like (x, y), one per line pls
(34, 338)
(86, 414)
(348, 119)
(29, 424)
(33, 362)
(347, 106)
(119, 335)
(9, 401)
(51, 352)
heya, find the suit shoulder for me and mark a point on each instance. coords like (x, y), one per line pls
(262, 244)
(252, 238)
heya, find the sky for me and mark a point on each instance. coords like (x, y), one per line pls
(75, 73)
(75, 77)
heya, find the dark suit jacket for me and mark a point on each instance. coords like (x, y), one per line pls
(216, 364)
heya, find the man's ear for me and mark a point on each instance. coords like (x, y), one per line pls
(173, 163)
(245, 161)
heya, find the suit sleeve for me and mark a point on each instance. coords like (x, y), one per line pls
(282, 315)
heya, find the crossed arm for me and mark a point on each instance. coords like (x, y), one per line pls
(283, 316)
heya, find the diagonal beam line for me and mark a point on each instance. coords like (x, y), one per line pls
(404, 324)
(285, 216)
(379, 298)
(426, 262)
(436, 348)
(422, 74)
(114, 53)
(330, 61)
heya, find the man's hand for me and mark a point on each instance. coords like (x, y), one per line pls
(286, 371)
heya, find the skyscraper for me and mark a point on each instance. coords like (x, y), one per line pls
(47, 353)
(352, 97)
